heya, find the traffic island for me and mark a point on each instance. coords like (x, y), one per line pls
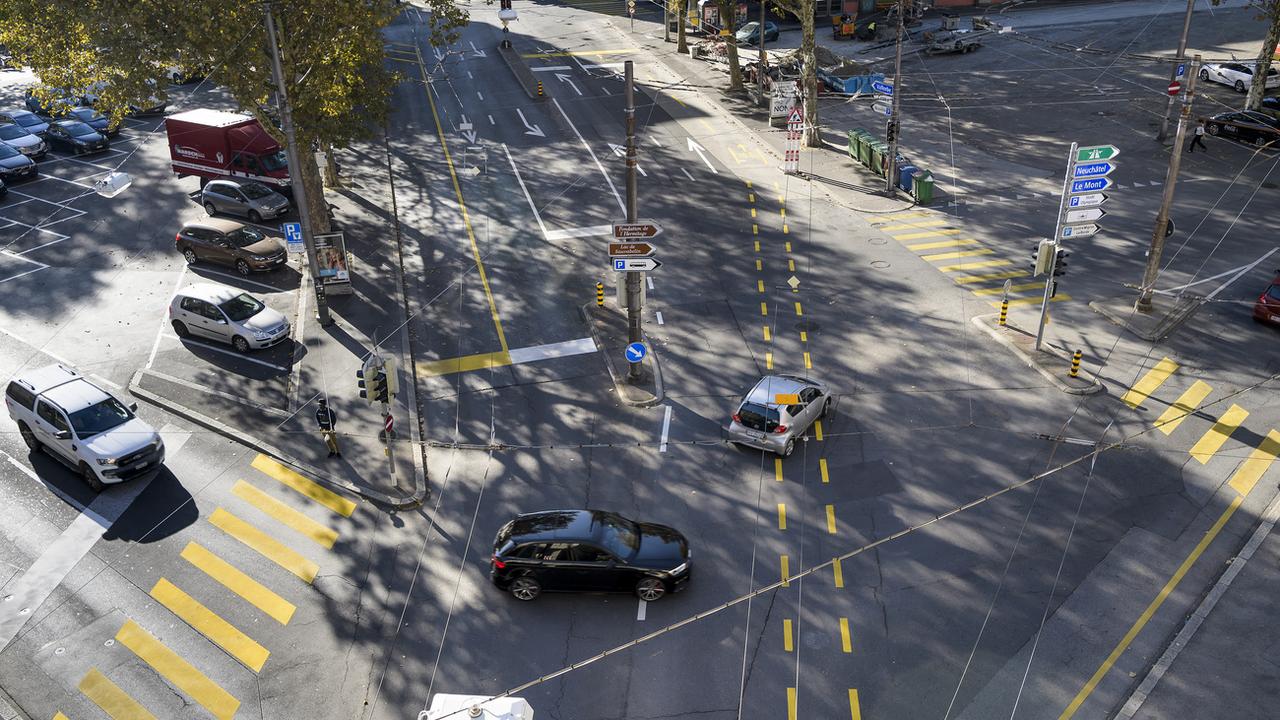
(609, 331)
(1166, 314)
(1054, 364)
(520, 68)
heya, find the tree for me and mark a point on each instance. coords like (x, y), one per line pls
(682, 44)
(1269, 10)
(731, 47)
(804, 11)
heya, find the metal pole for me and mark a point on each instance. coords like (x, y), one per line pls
(1057, 232)
(891, 167)
(295, 174)
(633, 277)
(1170, 180)
(1173, 71)
(762, 53)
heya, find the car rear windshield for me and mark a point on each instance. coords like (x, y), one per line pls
(8, 152)
(620, 536)
(27, 120)
(244, 237)
(99, 418)
(242, 307)
(255, 190)
(79, 129)
(88, 115)
(758, 417)
(1273, 292)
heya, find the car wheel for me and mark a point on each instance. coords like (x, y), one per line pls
(240, 344)
(525, 588)
(242, 267)
(826, 407)
(1204, 74)
(29, 437)
(190, 255)
(86, 473)
(180, 329)
(651, 589)
(254, 217)
(1212, 129)
(1240, 86)
(211, 209)
(788, 449)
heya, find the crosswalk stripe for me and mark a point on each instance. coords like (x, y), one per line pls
(267, 546)
(107, 695)
(966, 279)
(60, 716)
(913, 225)
(1178, 411)
(287, 516)
(957, 242)
(957, 254)
(1012, 288)
(1148, 383)
(1033, 300)
(895, 217)
(181, 673)
(1212, 441)
(251, 590)
(308, 488)
(207, 623)
(975, 265)
(1259, 461)
(926, 234)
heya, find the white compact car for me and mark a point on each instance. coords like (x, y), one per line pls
(18, 138)
(1238, 75)
(228, 315)
(82, 425)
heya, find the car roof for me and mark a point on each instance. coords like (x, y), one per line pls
(219, 224)
(49, 376)
(771, 385)
(76, 395)
(554, 525)
(210, 292)
(15, 112)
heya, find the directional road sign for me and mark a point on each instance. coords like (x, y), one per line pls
(635, 264)
(642, 229)
(1090, 185)
(636, 351)
(1086, 215)
(882, 87)
(1079, 231)
(1096, 152)
(293, 236)
(1093, 169)
(882, 108)
(1079, 201)
(631, 249)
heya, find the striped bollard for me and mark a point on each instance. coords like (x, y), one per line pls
(539, 88)
(1004, 312)
(599, 294)
(1075, 363)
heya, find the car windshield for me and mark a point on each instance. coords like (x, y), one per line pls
(7, 152)
(255, 191)
(758, 417)
(99, 418)
(242, 307)
(619, 535)
(244, 237)
(9, 131)
(748, 28)
(79, 129)
(26, 119)
(87, 115)
(275, 161)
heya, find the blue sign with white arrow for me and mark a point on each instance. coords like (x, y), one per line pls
(882, 87)
(1090, 184)
(636, 352)
(1093, 169)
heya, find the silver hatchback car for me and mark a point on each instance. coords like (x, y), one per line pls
(779, 409)
(247, 199)
(226, 314)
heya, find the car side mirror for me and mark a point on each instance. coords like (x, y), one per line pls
(63, 434)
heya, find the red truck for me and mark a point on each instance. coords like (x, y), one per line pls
(215, 144)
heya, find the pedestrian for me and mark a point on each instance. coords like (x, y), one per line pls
(1198, 139)
(327, 420)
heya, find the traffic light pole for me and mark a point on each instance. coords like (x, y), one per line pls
(891, 164)
(634, 334)
(1173, 71)
(1057, 234)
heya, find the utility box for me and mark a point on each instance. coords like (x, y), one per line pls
(476, 706)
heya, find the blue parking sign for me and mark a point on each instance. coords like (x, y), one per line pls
(293, 236)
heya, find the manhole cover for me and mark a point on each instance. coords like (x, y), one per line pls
(880, 264)
(877, 241)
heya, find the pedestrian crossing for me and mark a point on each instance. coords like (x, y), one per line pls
(1193, 402)
(966, 260)
(278, 521)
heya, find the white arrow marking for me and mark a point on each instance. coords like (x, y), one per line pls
(465, 124)
(477, 51)
(695, 147)
(533, 130)
(439, 55)
(622, 153)
(565, 78)
(470, 135)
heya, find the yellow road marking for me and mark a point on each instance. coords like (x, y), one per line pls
(822, 470)
(831, 519)
(808, 364)
(817, 427)
(207, 623)
(786, 230)
(1012, 288)
(766, 333)
(1148, 383)
(1260, 459)
(1146, 615)
(913, 225)
(957, 242)
(957, 254)
(1015, 302)
(791, 265)
(895, 217)
(753, 212)
(787, 643)
(989, 277)
(974, 265)
(777, 469)
(839, 574)
(768, 361)
(267, 546)
(466, 363)
(751, 197)
(799, 310)
(782, 516)
(748, 183)
(758, 264)
(1182, 407)
(287, 477)
(855, 709)
(1212, 441)
(181, 673)
(254, 592)
(60, 716)
(287, 516)
(787, 246)
(764, 309)
(757, 242)
(791, 703)
(804, 336)
(580, 53)
(786, 572)
(846, 642)
(760, 285)
(466, 217)
(113, 701)
(783, 212)
(736, 159)
(755, 229)
(927, 234)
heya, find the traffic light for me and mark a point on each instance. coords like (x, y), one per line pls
(390, 365)
(1042, 257)
(506, 5)
(891, 131)
(378, 387)
(1060, 267)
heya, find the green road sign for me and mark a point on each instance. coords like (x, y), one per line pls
(1097, 152)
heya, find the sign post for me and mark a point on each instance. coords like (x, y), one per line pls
(791, 154)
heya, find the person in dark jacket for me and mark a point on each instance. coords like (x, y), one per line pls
(327, 421)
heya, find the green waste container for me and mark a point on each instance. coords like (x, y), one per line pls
(879, 150)
(864, 152)
(855, 141)
(922, 187)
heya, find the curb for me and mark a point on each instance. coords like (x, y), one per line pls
(620, 386)
(521, 70)
(248, 441)
(1093, 387)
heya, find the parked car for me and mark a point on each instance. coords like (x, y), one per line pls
(1237, 75)
(75, 136)
(4, 189)
(28, 120)
(55, 107)
(1267, 308)
(153, 105)
(14, 165)
(226, 315)
(588, 550)
(230, 243)
(80, 424)
(749, 34)
(1246, 126)
(249, 199)
(93, 119)
(763, 421)
(17, 137)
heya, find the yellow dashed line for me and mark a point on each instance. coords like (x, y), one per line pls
(974, 265)
(755, 229)
(748, 183)
(782, 516)
(958, 242)
(855, 709)
(1182, 407)
(759, 264)
(113, 701)
(1260, 459)
(787, 246)
(1148, 383)
(957, 254)
(808, 364)
(777, 469)
(786, 571)
(757, 242)
(831, 519)
(799, 310)
(751, 197)
(207, 623)
(786, 230)
(764, 309)
(768, 361)
(989, 277)
(783, 212)
(837, 572)
(1012, 288)
(817, 430)
(1212, 441)
(766, 333)
(753, 212)
(760, 285)
(846, 642)
(804, 336)
(822, 470)
(788, 643)
(181, 673)
(791, 703)
(927, 234)
(791, 265)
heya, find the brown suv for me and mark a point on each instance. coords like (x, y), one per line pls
(230, 243)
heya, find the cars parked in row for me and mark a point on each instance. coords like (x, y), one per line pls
(93, 119)
(75, 136)
(777, 411)
(28, 120)
(227, 315)
(1246, 126)
(227, 242)
(14, 165)
(250, 199)
(1237, 75)
(18, 138)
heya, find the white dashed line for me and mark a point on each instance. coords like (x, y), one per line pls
(666, 428)
(659, 314)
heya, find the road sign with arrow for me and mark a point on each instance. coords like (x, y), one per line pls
(635, 264)
(629, 231)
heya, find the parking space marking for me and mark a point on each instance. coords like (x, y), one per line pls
(18, 256)
(107, 695)
(207, 623)
(1215, 437)
(181, 673)
(287, 477)
(239, 278)
(62, 179)
(164, 319)
(1149, 382)
(1183, 406)
(642, 611)
(252, 591)
(265, 545)
(319, 534)
(224, 351)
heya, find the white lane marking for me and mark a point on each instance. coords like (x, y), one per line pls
(551, 68)
(6, 253)
(108, 383)
(533, 130)
(24, 341)
(32, 474)
(565, 79)
(621, 205)
(224, 351)
(686, 173)
(164, 319)
(1244, 268)
(649, 280)
(666, 429)
(238, 278)
(659, 314)
(695, 147)
(480, 96)
(536, 215)
(589, 231)
(568, 348)
(653, 139)
(470, 76)
(491, 122)
(640, 613)
(606, 90)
